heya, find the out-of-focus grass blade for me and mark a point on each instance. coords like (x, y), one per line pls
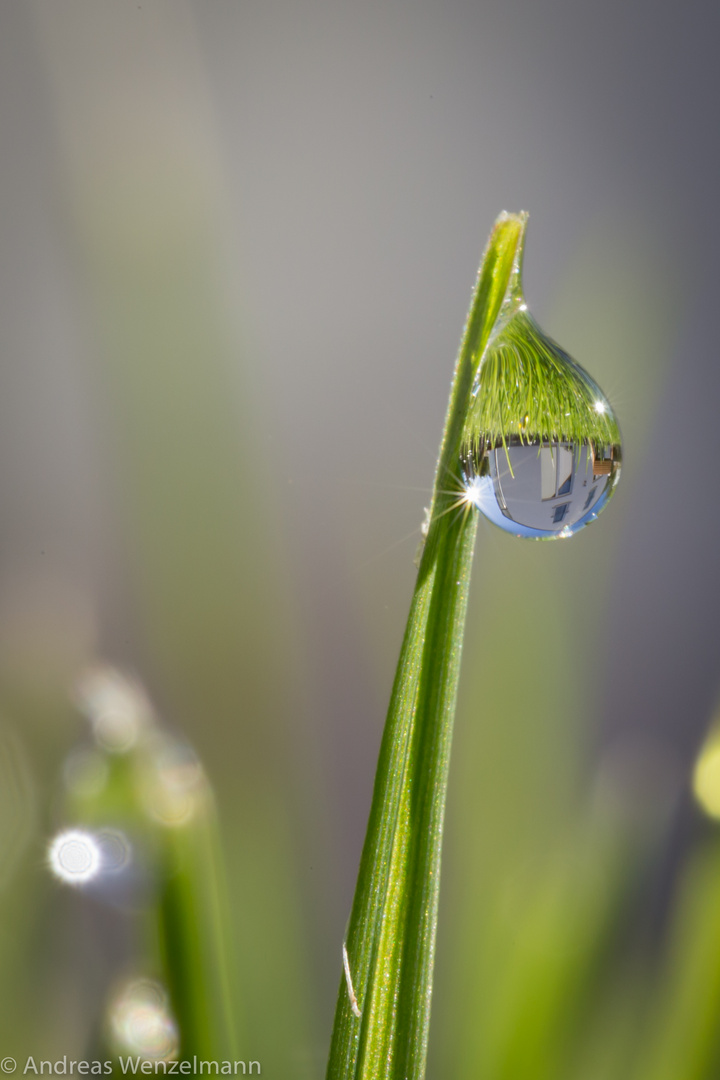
(682, 1034)
(194, 927)
(539, 961)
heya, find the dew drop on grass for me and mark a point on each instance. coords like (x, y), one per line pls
(543, 452)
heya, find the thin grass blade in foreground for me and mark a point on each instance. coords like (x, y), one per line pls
(383, 1011)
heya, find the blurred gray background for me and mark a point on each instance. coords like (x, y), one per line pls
(238, 245)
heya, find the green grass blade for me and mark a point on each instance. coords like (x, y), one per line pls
(681, 1038)
(156, 792)
(391, 934)
(194, 935)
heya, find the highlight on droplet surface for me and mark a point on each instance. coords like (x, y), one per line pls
(75, 857)
(542, 448)
(141, 1022)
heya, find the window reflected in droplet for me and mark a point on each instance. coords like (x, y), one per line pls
(541, 489)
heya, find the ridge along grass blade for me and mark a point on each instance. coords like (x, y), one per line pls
(383, 1010)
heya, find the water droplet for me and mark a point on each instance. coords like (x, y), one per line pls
(542, 447)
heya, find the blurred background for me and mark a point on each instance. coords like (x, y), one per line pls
(238, 246)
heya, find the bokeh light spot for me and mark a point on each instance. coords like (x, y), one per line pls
(75, 856)
(141, 1023)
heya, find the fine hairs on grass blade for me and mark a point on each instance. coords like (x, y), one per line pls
(514, 392)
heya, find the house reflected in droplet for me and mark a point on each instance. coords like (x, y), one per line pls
(543, 490)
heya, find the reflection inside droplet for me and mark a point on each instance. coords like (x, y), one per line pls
(541, 489)
(541, 448)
